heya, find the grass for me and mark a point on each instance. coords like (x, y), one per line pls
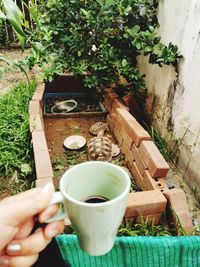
(15, 141)
(144, 228)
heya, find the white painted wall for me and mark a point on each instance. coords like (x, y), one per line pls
(174, 98)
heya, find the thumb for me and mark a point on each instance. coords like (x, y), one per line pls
(16, 213)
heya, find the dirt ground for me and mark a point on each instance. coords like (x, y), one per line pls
(11, 76)
(56, 130)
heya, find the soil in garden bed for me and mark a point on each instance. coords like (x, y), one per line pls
(57, 129)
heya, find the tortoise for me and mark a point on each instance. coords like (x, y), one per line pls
(99, 147)
(98, 127)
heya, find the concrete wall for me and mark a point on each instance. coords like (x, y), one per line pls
(174, 97)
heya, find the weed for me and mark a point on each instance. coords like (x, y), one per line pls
(75, 157)
(144, 228)
(177, 227)
(119, 160)
(77, 130)
(58, 164)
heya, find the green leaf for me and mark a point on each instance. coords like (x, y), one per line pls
(148, 49)
(138, 45)
(12, 11)
(134, 30)
(85, 12)
(105, 3)
(17, 28)
(33, 12)
(151, 29)
(26, 168)
(2, 15)
(124, 62)
(15, 16)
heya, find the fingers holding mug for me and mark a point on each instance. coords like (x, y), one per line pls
(36, 242)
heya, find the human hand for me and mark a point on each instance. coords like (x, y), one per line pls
(18, 247)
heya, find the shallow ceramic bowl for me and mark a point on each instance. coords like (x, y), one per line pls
(74, 142)
(64, 106)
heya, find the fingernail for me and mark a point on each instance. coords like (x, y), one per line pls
(45, 190)
(13, 248)
(53, 233)
(4, 262)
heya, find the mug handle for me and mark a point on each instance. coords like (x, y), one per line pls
(61, 213)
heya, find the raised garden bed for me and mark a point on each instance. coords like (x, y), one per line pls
(145, 163)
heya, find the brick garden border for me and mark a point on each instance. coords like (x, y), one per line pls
(144, 160)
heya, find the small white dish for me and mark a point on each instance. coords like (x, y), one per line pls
(74, 142)
(64, 106)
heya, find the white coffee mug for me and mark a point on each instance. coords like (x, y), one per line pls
(96, 224)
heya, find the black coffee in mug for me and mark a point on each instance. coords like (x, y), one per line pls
(96, 199)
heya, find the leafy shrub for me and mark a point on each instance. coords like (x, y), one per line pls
(103, 38)
(100, 37)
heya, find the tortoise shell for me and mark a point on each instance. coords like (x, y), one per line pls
(100, 148)
(98, 127)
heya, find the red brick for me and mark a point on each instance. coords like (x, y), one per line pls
(44, 181)
(137, 176)
(34, 107)
(39, 141)
(177, 199)
(110, 97)
(135, 131)
(39, 92)
(36, 123)
(149, 183)
(43, 164)
(178, 207)
(155, 162)
(107, 105)
(113, 115)
(123, 115)
(138, 159)
(118, 136)
(128, 155)
(118, 103)
(117, 125)
(127, 140)
(145, 203)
